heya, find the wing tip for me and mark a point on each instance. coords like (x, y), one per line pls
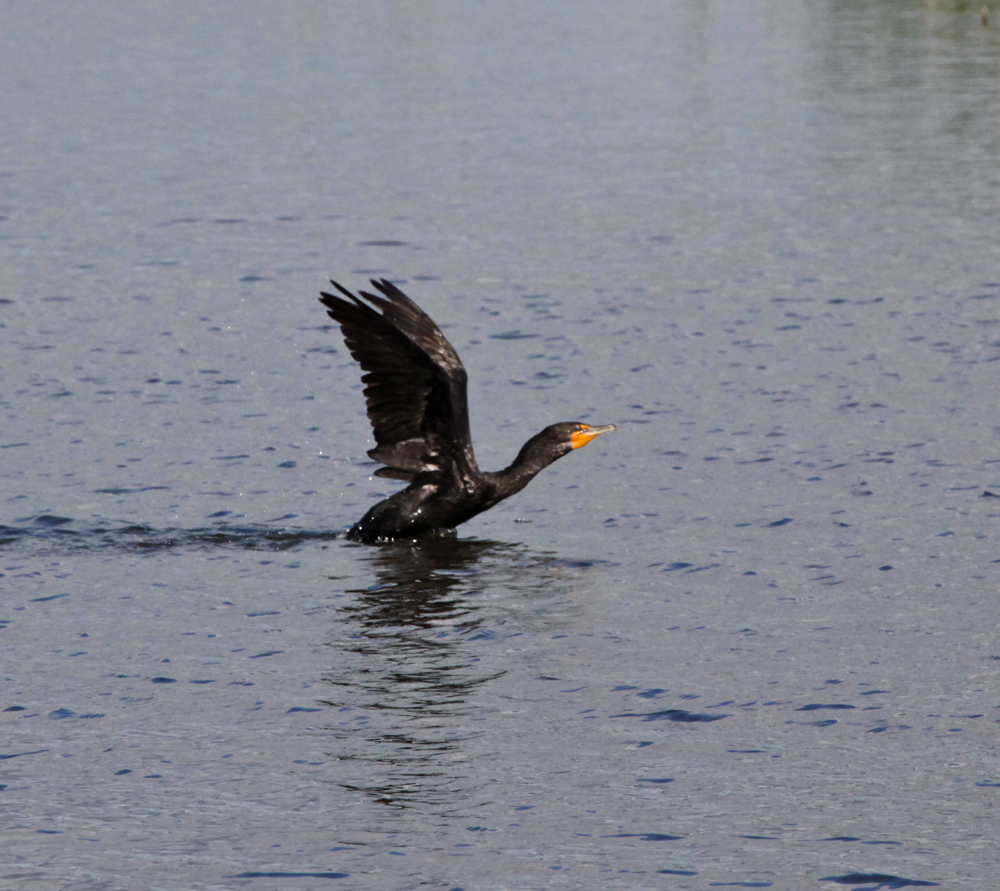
(389, 295)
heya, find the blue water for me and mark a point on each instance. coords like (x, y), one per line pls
(748, 640)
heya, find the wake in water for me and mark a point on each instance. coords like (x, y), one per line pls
(59, 533)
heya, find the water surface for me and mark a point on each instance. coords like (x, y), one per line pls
(747, 641)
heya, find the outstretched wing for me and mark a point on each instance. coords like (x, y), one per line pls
(415, 384)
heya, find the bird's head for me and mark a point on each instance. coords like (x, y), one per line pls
(560, 439)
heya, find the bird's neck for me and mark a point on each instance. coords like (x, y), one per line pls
(530, 461)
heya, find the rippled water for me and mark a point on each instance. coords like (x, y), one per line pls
(749, 640)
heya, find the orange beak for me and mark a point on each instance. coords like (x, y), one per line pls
(586, 433)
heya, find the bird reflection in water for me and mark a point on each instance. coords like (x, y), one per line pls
(409, 675)
(425, 583)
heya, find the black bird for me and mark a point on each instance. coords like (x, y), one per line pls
(415, 388)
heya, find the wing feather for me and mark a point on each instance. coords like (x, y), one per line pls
(415, 384)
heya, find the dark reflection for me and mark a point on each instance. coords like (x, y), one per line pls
(423, 583)
(410, 675)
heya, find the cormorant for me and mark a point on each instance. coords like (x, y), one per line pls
(415, 388)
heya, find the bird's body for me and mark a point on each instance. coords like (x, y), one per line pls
(415, 388)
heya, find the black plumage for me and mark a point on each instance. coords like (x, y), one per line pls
(415, 389)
